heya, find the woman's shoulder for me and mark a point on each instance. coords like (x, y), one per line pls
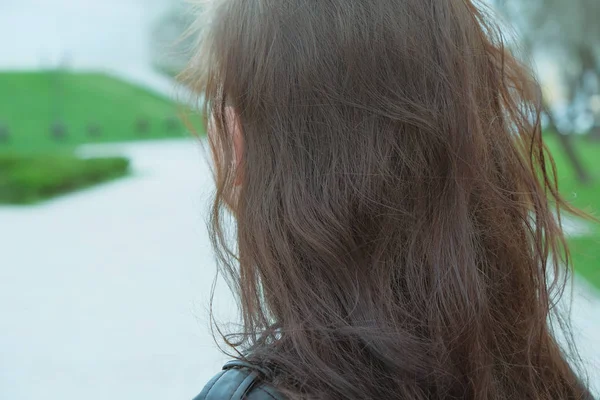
(239, 380)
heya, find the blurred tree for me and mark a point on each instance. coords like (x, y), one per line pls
(171, 45)
(568, 31)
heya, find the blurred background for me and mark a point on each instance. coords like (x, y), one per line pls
(105, 264)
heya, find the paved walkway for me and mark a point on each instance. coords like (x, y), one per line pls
(103, 293)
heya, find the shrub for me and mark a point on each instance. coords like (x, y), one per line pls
(26, 179)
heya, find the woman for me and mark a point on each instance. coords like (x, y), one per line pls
(396, 210)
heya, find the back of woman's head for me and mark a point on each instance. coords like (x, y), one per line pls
(394, 233)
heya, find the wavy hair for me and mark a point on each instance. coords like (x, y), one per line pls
(398, 228)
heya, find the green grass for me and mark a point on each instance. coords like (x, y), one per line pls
(584, 250)
(32, 102)
(36, 158)
(26, 179)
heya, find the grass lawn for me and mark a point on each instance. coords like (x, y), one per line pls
(45, 111)
(585, 250)
(45, 115)
(26, 179)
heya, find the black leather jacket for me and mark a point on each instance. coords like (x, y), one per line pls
(239, 380)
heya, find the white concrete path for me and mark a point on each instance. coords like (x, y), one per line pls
(104, 293)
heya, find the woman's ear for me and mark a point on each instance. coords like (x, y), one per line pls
(235, 126)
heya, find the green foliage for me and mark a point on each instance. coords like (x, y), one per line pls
(26, 179)
(585, 250)
(91, 107)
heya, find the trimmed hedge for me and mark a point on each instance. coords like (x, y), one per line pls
(26, 179)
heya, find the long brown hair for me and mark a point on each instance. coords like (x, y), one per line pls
(398, 227)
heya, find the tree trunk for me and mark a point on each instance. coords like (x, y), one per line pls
(567, 145)
(594, 134)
